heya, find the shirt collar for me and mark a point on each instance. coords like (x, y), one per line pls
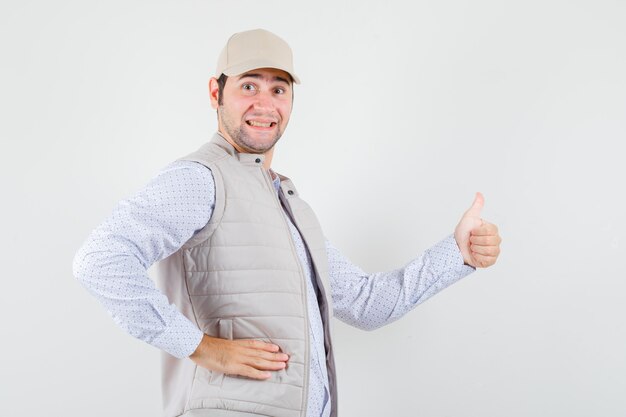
(275, 180)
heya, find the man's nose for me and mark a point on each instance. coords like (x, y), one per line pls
(264, 100)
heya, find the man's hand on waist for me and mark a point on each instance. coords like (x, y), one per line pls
(250, 358)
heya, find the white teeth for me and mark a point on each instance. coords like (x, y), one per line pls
(259, 124)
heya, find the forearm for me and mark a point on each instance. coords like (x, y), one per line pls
(121, 284)
(369, 301)
(112, 263)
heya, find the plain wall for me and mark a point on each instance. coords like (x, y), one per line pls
(405, 110)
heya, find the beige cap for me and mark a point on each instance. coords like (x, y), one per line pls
(254, 49)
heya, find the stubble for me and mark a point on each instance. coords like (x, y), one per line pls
(237, 133)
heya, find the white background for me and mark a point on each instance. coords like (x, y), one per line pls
(406, 109)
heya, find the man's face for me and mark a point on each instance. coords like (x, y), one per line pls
(255, 108)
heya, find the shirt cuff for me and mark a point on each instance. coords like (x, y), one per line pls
(456, 264)
(181, 337)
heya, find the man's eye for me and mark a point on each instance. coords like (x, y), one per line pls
(248, 87)
(279, 90)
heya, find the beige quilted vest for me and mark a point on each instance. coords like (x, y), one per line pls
(240, 278)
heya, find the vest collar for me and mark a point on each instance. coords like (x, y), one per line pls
(248, 159)
(252, 159)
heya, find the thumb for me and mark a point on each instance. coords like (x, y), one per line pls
(477, 206)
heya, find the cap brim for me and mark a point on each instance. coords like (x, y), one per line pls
(256, 64)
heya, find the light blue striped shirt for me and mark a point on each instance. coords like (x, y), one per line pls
(154, 223)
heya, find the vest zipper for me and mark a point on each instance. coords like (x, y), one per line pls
(307, 360)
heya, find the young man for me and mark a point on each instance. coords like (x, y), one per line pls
(252, 281)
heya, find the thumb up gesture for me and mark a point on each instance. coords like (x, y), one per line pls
(478, 240)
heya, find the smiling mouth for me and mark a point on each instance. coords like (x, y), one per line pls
(260, 124)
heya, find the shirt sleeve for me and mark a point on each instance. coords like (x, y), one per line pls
(369, 301)
(151, 225)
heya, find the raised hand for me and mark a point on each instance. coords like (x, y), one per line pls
(477, 239)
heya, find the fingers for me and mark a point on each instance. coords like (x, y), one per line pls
(267, 356)
(255, 368)
(260, 345)
(264, 364)
(485, 230)
(485, 245)
(267, 351)
(483, 261)
(256, 356)
(491, 250)
(253, 373)
(486, 240)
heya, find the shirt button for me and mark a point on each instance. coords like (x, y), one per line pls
(290, 192)
(257, 160)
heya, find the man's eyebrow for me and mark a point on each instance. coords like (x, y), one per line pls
(259, 76)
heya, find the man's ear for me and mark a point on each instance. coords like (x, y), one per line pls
(214, 92)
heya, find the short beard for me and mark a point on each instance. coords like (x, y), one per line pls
(241, 138)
